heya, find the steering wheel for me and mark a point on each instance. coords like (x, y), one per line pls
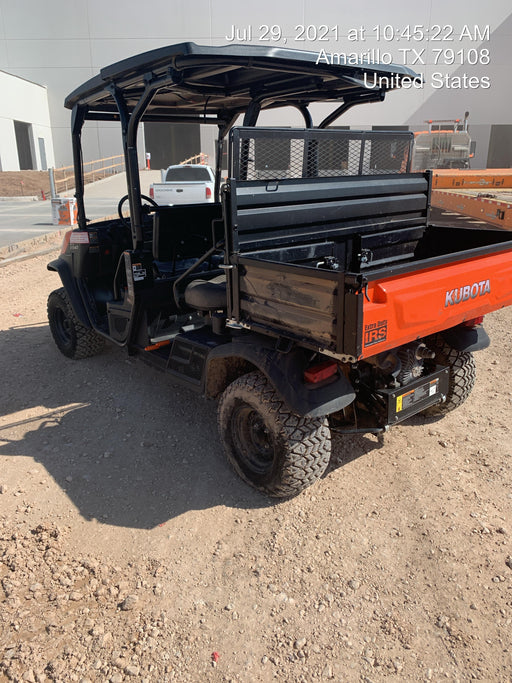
(122, 201)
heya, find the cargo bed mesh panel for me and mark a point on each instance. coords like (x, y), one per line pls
(264, 154)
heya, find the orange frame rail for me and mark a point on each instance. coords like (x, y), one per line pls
(453, 179)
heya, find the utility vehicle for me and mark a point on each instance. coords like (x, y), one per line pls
(313, 294)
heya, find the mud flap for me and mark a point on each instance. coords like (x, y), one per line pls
(70, 285)
(285, 371)
(463, 338)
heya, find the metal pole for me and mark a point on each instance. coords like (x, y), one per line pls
(53, 191)
(77, 121)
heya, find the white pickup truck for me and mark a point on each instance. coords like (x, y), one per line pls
(184, 184)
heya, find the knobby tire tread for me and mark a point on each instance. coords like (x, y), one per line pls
(86, 341)
(308, 439)
(462, 375)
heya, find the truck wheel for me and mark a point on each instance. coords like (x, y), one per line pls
(271, 448)
(72, 338)
(462, 375)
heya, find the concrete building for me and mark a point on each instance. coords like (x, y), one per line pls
(25, 129)
(461, 49)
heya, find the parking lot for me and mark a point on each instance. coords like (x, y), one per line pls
(22, 220)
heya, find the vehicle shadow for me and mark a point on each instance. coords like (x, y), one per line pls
(127, 446)
(349, 447)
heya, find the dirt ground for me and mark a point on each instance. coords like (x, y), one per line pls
(129, 550)
(33, 183)
(24, 183)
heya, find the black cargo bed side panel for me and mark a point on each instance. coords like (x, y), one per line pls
(256, 193)
(314, 213)
(268, 214)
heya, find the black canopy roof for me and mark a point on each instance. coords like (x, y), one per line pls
(199, 82)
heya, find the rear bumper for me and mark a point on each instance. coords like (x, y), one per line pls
(416, 396)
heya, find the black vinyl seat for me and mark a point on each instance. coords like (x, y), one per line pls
(207, 295)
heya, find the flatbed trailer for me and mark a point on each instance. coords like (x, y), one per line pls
(485, 195)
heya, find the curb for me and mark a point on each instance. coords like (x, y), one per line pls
(27, 256)
(17, 198)
(28, 248)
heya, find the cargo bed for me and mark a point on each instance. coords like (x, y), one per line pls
(359, 314)
(351, 265)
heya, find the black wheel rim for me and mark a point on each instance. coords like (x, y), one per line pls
(252, 440)
(63, 327)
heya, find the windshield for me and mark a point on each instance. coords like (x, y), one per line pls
(187, 173)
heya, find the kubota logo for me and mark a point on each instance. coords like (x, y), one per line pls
(459, 294)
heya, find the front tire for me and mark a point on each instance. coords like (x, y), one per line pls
(72, 338)
(273, 449)
(462, 375)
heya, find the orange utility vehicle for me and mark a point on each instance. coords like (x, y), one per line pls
(313, 294)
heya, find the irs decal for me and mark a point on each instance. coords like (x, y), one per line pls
(375, 333)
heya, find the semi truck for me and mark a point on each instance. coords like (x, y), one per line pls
(445, 144)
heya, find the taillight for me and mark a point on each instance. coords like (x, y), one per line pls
(65, 242)
(208, 193)
(317, 373)
(474, 321)
(151, 191)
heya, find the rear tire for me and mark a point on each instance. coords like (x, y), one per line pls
(273, 449)
(462, 375)
(72, 338)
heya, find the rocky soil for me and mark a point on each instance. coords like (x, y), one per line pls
(24, 183)
(129, 551)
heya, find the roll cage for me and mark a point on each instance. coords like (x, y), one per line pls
(189, 83)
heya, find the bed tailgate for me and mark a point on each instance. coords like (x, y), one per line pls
(400, 309)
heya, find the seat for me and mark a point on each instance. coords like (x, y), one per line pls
(207, 295)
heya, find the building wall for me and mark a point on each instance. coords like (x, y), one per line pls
(62, 43)
(8, 151)
(23, 101)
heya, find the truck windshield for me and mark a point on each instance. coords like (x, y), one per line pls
(187, 173)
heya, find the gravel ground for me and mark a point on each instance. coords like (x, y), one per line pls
(130, 551)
